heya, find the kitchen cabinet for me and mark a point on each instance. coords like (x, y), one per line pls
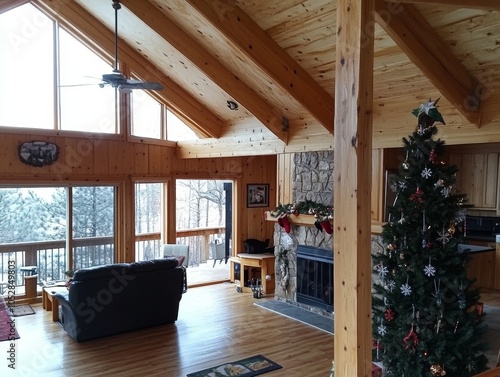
(485, 266)
(478, 178)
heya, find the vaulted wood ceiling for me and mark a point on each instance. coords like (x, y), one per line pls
(276, 59)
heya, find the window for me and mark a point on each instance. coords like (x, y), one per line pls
(33, 228)
(148, 220)
(148, 120)
(84, 105)
(26, 69)
(50, 80)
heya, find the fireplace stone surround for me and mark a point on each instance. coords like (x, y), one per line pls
(312, 180)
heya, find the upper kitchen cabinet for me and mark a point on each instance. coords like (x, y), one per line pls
(478, 178)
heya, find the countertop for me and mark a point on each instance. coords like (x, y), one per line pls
(474, 249)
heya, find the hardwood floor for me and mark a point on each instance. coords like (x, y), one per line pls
(216, 324)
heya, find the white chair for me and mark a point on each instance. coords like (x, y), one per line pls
(177, 250)
(218, 251)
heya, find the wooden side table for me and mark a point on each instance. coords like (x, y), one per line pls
(263, 262)
(49, 302)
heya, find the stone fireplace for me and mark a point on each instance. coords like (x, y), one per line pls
(312, 180)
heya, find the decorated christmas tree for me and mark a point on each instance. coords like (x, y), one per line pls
(425, 321)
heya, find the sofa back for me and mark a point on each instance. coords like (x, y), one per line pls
(121, 297)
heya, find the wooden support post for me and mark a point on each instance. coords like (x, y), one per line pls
(352, 187)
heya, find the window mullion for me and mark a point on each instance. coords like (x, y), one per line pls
(57, 78)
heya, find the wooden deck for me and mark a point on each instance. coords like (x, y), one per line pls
(216, 325)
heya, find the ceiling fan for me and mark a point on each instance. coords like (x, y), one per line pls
(116, 79)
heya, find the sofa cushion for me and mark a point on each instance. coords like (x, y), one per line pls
(154, 265)
(99, 272)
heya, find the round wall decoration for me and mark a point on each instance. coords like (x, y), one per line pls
(38, 153)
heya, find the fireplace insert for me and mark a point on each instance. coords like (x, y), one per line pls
(315, 277)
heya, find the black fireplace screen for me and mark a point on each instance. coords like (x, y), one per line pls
(315, 277)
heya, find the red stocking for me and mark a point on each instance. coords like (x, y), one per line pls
(327, 226)
(286, 223)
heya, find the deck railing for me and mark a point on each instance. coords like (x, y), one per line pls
(51, 260)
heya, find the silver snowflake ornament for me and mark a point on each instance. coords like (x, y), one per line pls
(429, 270)
(402, 185)
(382, 329)
(391, 284)
(444, 237)
(426, 173)
(446, 191)
(406, 289)
(382, 270)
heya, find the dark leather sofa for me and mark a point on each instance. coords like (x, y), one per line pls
(116, 298)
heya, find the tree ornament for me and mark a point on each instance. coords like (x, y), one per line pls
(437, 292)
(406, 289)
(382, 270)
(437, 370)
(439, 183)
(429, 270)
(390, 285)
(411, 340)
(446, 191)
(433, 157)
(382, 329)
(389, 314)
(444, 237)
(426, 173)
(417, 196)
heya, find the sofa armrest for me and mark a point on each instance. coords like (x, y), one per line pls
(68, 320)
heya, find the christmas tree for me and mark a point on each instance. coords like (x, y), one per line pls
(424, 321)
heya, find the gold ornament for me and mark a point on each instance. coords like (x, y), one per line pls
(437, 370)
(451, 230)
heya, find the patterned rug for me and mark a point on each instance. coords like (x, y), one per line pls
(252, 366)
(20, 310)
(8, 329)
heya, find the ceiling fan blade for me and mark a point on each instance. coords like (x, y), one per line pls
(141, 85)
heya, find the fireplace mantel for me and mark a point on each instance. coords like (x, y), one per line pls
(309, 220)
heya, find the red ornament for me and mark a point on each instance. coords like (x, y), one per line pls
(417, 196)
(389, 315)
(433, 157)
(411, 340)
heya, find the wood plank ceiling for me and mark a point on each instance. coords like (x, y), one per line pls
(277, 61)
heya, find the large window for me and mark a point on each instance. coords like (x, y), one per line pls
(34, 223)
(50, 80)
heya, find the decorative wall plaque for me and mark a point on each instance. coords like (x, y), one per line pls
(38, 153)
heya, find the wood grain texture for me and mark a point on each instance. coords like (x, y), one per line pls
(215, 325)
(352, 186)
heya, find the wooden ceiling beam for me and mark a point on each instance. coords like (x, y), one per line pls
(418, 40)
(211, 66)
(87, 27)
(254, 42)
(6, 5)
(476, 4)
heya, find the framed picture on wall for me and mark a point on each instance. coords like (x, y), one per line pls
(257, 195)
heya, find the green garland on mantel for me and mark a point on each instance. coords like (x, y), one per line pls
(306, 207)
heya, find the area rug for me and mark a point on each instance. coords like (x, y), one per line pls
(297, 313)
(252, 366)
(20, 310)
(8, 329)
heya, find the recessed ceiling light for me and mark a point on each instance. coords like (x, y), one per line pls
(232, 105)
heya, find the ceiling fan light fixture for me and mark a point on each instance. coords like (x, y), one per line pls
(232, 105)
